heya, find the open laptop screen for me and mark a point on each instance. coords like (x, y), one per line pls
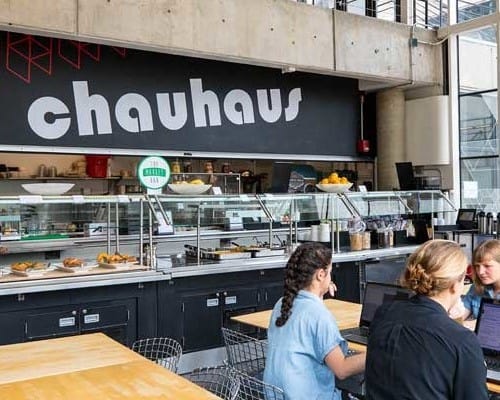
(466, 218)
(377, 294)
(488, 325)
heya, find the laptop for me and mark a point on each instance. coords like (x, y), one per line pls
(406, 176)
(488, 334)
(466, 218)
(375, 295)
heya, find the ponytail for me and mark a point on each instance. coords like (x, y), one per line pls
(299, 271)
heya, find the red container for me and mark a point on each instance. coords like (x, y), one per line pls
(97, 166)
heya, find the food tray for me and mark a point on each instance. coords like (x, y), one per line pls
(31, 273)
(84, 267)
(220, 255)
(124, 265)
(263, 252)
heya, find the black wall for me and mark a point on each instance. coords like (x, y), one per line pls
(327, 122)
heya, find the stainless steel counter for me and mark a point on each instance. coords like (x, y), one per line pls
(280, 262)
(77, 282)
(44, 285)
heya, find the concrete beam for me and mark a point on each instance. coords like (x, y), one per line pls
(377, 49)
(44, 16)
(275, 33)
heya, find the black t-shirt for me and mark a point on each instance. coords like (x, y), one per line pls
(417, 352)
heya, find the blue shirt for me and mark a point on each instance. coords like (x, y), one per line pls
(472, 300)
(297, 350)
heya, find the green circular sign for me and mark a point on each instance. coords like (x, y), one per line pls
(153, 172)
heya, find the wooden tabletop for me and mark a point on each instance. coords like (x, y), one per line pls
(87, 367)
(346, 313)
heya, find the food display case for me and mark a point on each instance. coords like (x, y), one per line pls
(47, 224)
(209, 229)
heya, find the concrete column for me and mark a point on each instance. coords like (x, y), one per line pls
(390, 136)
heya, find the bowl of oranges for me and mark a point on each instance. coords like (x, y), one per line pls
(334, 184)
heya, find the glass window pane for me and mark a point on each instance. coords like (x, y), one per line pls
(480, 184)
(478, 125)
(473, 46)
(470, 9)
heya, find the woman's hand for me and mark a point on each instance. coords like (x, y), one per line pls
(332, 289)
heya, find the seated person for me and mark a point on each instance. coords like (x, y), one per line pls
(306, 350)
(486, 276)
(415, 351)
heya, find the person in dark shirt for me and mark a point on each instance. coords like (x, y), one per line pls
(415, 350)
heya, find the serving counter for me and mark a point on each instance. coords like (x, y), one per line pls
(176, 288)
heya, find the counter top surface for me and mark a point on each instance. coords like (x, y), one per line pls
(56, 280)
(87, 367)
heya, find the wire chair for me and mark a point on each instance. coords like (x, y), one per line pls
(164, 351)
(245, 353)
(254, 389)
(221, 381)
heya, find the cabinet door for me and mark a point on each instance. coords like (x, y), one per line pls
(51, 322)
(116, 318)
(237, 302)
(346, 275)
(272, 293)
(201, 321)
(12, 327)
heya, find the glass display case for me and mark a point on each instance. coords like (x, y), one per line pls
(213, 227)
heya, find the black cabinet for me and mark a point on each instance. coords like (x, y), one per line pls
(51, 322)
(200, 320)
(123, 312)
(346, 276)
(193, 310)
(203, 314)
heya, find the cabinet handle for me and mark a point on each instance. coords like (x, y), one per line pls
(265, 296)
(73, 312)
(26, 328)
(128, 315)
(258, 297)
(84, 311)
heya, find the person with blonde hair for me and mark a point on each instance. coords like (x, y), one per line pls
(415, 351)
(486, 276)
(306, 350)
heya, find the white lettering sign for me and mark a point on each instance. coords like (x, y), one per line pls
(50, 117)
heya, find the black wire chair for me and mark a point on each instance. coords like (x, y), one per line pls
(244, 353)
(164, 351)
(252, 388)
(221, 381)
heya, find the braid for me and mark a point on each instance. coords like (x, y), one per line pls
(299, 271)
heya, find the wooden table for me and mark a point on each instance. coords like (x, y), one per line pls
(87, 367)
(346, 313)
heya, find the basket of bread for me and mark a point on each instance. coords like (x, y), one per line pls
(115, 260)
(28, 268)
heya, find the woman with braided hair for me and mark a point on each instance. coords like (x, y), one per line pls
(306, 350)
(415, 350)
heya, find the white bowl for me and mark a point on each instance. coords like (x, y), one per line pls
(51, 188)
(188, 188)
(334, 187)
